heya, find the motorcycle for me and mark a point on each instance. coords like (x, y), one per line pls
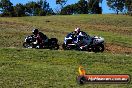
(85, 43)
(31, 42)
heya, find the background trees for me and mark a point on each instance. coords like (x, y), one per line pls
(128, 5)
(46, 7)
(116, 5)
(79, 8)
(42, 7)
(94, 7)
(7, 8)
(62, 3)
(19, 10)
(83, 7)
(120, 5)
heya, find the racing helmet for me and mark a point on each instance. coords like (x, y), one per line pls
(35, 31)
(77, 30)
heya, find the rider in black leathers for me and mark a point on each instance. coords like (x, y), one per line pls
(42, 39)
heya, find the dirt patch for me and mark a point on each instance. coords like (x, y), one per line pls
(113, 48)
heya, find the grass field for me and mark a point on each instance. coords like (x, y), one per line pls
(36, 68)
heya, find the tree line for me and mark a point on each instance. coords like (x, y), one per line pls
(39, 8)
(42, 7)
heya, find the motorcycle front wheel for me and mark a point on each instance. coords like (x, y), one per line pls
(27, 45)
(55, 47)
(66, 47)
(99, 48)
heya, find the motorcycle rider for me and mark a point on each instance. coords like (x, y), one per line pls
(42, 39)
(81, 38)
(79, 34)
(77, 31)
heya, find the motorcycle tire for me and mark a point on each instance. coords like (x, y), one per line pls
(64, 46)
(55, 47)
(27, 45)
(98, 48)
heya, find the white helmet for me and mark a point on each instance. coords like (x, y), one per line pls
(77, 29)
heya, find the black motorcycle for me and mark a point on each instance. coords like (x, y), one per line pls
(85, 43)
(31, 42)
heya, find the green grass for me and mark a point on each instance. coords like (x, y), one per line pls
(36, 68)
(58, 69)
(115, 29)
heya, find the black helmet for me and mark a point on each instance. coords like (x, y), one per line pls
(35, 31)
